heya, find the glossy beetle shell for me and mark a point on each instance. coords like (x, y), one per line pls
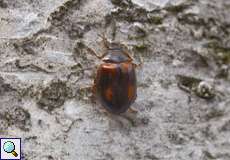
(115, 86)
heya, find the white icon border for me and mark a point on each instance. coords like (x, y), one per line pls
(20, 148)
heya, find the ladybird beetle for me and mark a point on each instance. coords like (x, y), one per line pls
(115, 85)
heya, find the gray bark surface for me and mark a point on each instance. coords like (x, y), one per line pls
(183, 98)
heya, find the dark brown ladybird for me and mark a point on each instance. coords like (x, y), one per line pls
(115, 85)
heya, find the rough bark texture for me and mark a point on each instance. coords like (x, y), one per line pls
(183, 98)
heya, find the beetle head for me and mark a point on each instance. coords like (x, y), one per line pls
(115, 51)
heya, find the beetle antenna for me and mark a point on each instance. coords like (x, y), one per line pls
(104, 39)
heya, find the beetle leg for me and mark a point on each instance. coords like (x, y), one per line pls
(137, 65)
(140, 64)
(85, 87)
(131, 118)
(127, 53)
(93, 97)
(102, 110)
(132, 110)
(95, 54)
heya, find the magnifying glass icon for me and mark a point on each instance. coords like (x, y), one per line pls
(9, 147)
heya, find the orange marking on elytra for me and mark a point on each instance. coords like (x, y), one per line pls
(109, 68)
(125, 67)
(131, 92)
(109, 94)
